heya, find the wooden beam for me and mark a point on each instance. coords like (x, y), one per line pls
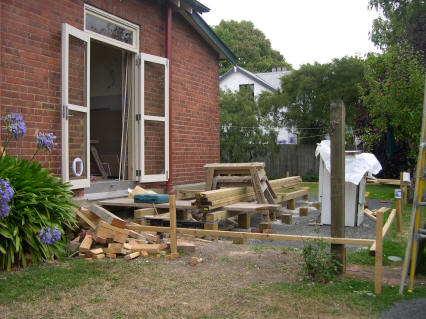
(299, 192)
(86, 219)
(398, 205)
(86, 244)
(231, 234)
(142, 212)
(379, 254)
(107, 216)
(173, 238)
(369, 214)
(221, 215)
(385, 229)
(337, 197)
(250, 207)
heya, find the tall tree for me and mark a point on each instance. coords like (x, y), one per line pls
(306, 94)
(403, 22)
(250, 45)
(248, 130)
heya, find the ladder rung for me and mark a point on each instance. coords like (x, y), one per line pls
(422, 231)
(420, 236)
(421, 204)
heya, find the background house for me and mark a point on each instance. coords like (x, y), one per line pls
(239, 78)
(134, 80)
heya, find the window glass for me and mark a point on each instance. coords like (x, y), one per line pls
(109, 29)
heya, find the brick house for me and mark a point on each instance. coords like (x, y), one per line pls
(130, 87)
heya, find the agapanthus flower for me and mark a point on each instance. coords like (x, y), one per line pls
(49, 236)
(6, 191)
(4, 210)
(45, 141)
(15, 126)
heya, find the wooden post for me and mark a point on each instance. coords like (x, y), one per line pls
(398, 204)
(173, 239)
(403, 185)
(379, 253)
(337, 137)
(244, 221)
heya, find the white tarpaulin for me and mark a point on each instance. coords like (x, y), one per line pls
(356, 166)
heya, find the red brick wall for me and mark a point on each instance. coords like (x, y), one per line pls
(30, 76)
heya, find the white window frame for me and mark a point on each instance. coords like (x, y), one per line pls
(159, 60)
(68, 30)
(115, 20)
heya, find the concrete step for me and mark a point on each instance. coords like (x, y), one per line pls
(105, 195)
(109, 186)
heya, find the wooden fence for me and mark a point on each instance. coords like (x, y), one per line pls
(293, 158)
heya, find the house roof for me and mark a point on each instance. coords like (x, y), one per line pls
(189, 9)
(274, 77)
(250, 75)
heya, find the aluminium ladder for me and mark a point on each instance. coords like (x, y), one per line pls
(416, 234)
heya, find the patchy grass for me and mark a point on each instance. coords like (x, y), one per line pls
(381, 191)
(313, 187)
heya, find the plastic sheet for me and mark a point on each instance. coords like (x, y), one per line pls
(356, 166)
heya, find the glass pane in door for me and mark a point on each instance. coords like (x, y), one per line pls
(77, 139)
(154, 84)
(77, 76)
(154, 145)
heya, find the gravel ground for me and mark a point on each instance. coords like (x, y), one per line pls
(411, 308)
(301, 226)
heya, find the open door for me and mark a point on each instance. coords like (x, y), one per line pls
(154, 118)
(75, 107)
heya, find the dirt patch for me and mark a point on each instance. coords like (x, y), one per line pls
(232, 281)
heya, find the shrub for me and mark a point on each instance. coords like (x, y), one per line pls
(34, 206)
(310, 176)
(39, 201)
(319, 265)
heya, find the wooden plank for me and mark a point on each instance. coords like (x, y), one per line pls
(379, 254)
(369, 214)
(96, 251)
(250, 207)
(151, 248)
(142, 212)
(398, 205)
(86, 244)
(98, 161)
(221, 215)
(107, 216)
(128, 202)
(293, 195)
(231, 234)
(173, 238)
(85, 218)
(235, 165)
(114, 228)
(209, 179)
(132, 255)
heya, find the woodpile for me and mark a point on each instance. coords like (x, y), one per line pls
(111, 237)
(209, 200)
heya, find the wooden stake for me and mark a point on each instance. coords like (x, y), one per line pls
(173, 238)
(379, 253)
(337, 137)
(398, 204)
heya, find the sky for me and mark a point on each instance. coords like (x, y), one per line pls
(304, 31)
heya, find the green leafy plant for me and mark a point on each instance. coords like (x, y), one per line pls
(310, 176)
(319, 264)
(34, 205)
(40, 201)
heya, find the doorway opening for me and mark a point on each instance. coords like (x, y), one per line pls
(111, 112)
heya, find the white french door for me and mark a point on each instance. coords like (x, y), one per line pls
(75, 107)
(154, 118)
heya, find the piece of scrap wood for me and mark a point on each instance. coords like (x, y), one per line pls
(144, 254)
(151, 248)
(107, 216)
(111, 256)
(132, 255)
(96, 251)
(86, 219)
(86, 244)
(100, 256)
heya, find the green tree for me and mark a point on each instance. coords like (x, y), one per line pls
(247, 130)
(306, 94)
(403, 23)
(250, 45)
(393, 97)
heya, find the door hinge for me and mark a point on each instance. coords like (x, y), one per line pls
(138, 61)
(167, 174)
(65, 111)
(138, 117)
(138, 172)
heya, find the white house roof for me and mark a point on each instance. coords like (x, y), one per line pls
(273, 78)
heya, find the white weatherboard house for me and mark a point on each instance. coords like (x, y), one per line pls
(239, 78)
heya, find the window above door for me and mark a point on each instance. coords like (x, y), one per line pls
(108, 28)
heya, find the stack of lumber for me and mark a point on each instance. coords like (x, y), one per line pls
(111, 238)
(209, 200)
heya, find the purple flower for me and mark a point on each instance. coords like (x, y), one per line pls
(49, 236)
(4, 210)
(46, 141)
(6, 191)
(15, 126)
